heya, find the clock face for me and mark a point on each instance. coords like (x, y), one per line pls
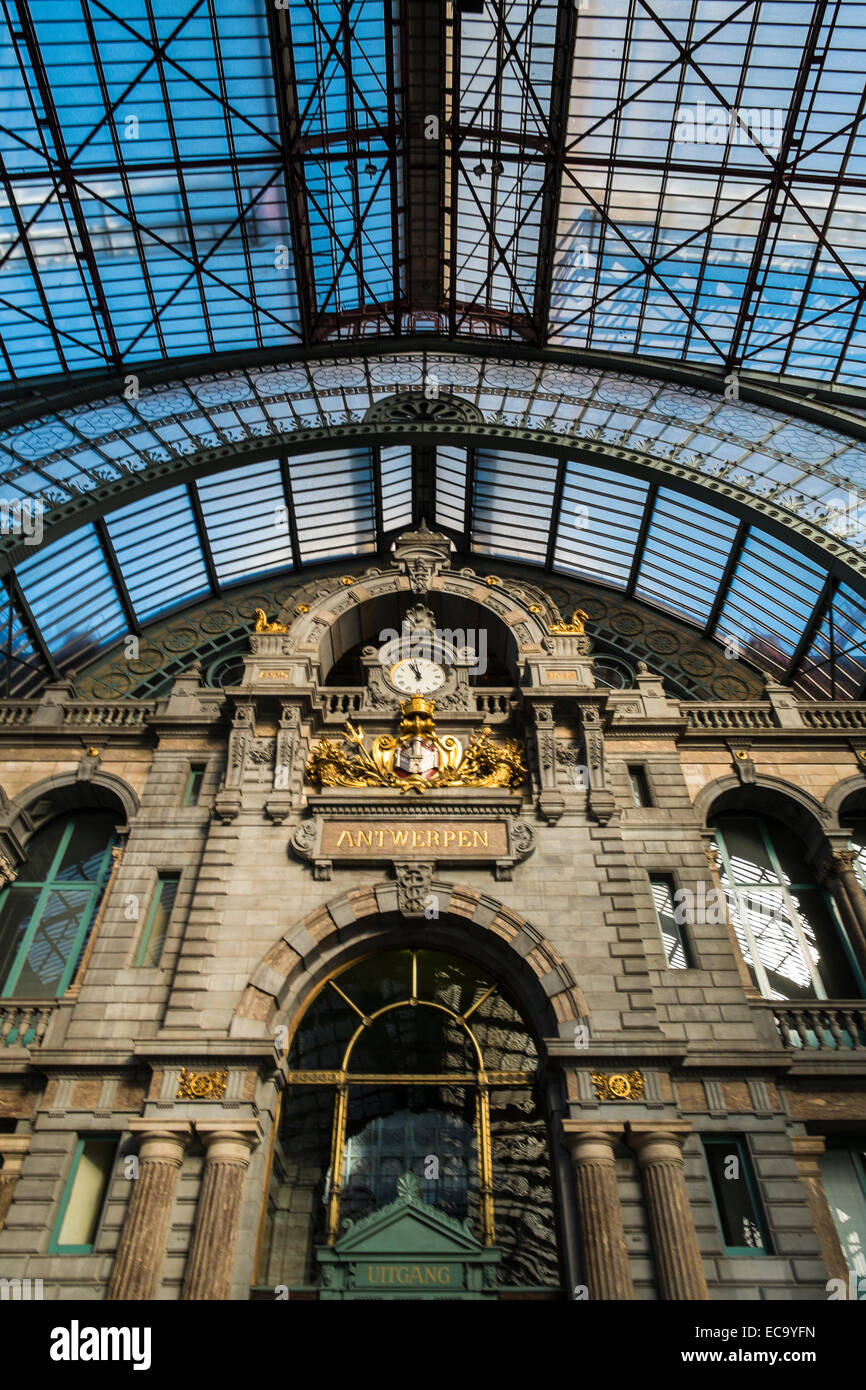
(417, 675)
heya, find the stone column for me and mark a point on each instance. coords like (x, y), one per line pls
(138, 1261)
(228, 1145)
(679, 1267)
(606, 1268)
(13, 1151)
(807, 1150)
(851, 901)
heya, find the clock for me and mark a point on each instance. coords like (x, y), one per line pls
(417, 675)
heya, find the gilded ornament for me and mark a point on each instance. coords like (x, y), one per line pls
(575, 627)
(492, 580)
(419, 758)
(618, 1085)
(347, 579)
(262, 624)
(302, 608)
(201, 1085)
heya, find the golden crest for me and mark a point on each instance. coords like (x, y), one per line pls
(419, 758)
(618, 1085)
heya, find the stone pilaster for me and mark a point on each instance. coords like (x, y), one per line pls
(807, 1150)
(139, 1255)
(606, 1270)
(228, 1145)
(13, 1151)
(679, 1268)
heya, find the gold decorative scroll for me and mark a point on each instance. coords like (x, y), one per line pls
(442, 761)
(575, 627)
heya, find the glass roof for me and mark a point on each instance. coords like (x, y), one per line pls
(628, 238)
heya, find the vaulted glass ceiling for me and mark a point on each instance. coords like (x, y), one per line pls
(624, 242)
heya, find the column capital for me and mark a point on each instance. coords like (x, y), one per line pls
(229, 1139)
(13, 1150)
(587, 1140)
(658, 1143)
(161, 1139)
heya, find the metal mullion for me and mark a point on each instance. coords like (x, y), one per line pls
(392, 31)
(29, 624)
(378, 500)
(233, 166)
(456, 162)
(640, 540)
(294, 540)
(556, 511)
(110, 556)
(122, 174)
(727, 576)
(557, 124)
(352, 132)
(179, 174)
(45, 890)
(813, 625)
(68, 180)
(799, 934)
(203, 540)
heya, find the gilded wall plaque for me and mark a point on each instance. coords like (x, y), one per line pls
(201, 1085)
(618, 1085)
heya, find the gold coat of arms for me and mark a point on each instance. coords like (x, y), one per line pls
(418, 757)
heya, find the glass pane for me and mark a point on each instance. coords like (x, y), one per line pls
(53, 940)
(455, 983)
(165, 895)
(669, 928)
(750, 861)
(739, 1220)
(88, 1192)
(41, 851)
(769, 919)
(415, 1040)
(428, 1131)
(297, 1197)
(15, 917)
(84, 855)
(826, 947)
(846, 1196)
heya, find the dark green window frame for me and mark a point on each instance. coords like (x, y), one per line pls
(55, 1248)
(732, 1143)
(733, 887)
(51, 884)
(195, 778)
(163, 881)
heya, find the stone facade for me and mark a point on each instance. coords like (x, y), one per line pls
(567, 918)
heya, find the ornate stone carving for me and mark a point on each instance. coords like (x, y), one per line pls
(413, 887)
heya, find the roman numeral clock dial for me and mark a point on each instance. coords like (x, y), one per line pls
(417, 675)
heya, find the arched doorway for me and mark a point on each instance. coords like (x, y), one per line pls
(412, 1063)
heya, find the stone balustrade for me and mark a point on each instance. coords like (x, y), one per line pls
(821, 1026)
(23, 1022)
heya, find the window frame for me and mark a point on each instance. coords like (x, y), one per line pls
(163, 876)
(54, 1247)
(786, 890)
(684, 939)
(740, 1142)
(195, 768)
(47, 886)
(643, 777)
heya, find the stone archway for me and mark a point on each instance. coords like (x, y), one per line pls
(280, 974)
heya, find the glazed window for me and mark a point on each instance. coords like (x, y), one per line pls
(786, 926)
(192, 790)
(639, 784)
(156, 926)
(738, 1207)
(843, 1171)
(669, 917)
(84, 1196)
(47, 913)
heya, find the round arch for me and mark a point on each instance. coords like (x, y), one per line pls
(795, 807)
(471, 923)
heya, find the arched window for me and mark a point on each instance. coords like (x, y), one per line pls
(411, 1061)
(785, 922)
(47, 913)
